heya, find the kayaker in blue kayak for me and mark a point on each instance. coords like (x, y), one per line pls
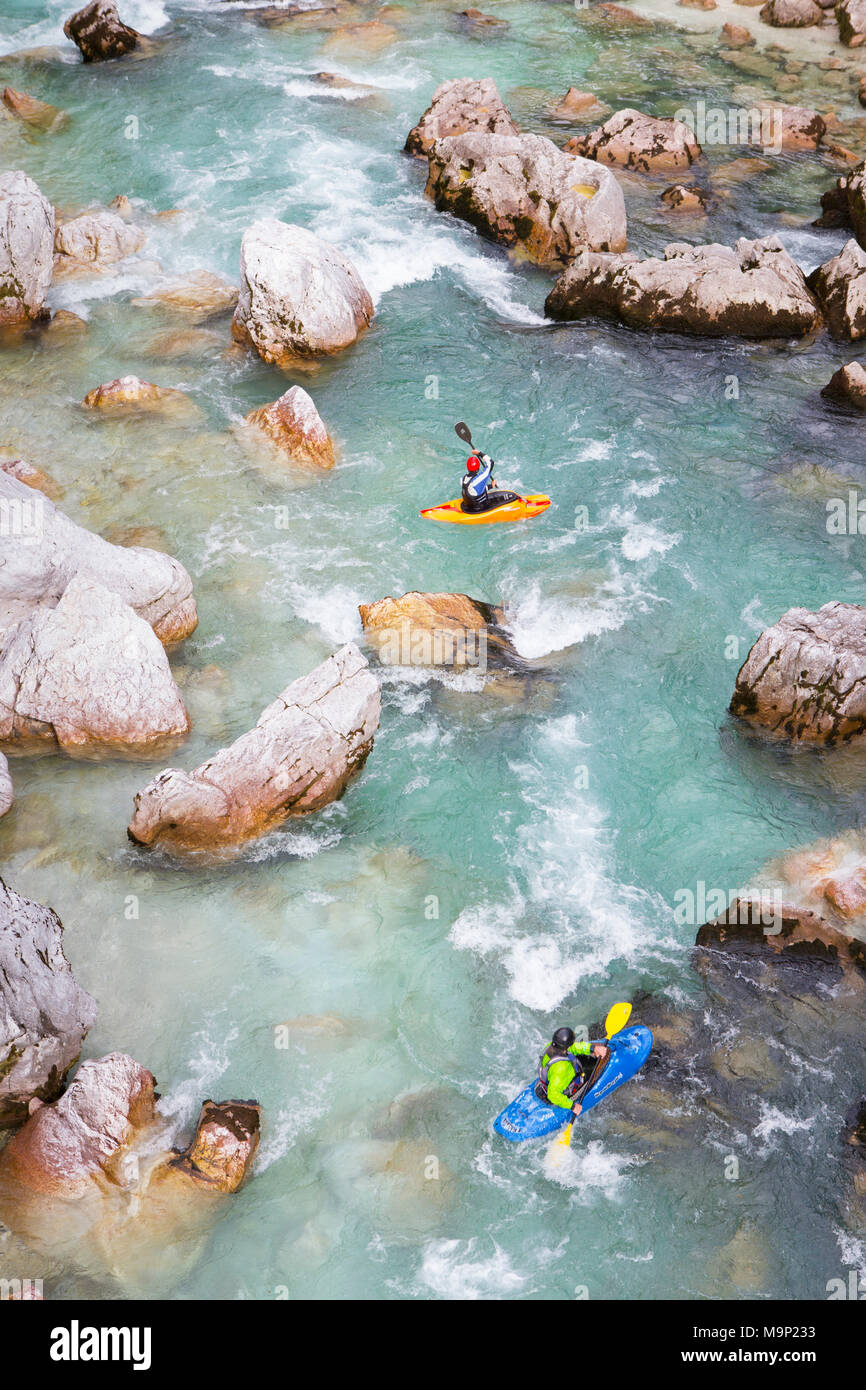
(561, 1074)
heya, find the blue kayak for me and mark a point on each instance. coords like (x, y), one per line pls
(527, 1117)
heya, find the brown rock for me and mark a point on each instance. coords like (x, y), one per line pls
(226, 1138)
(576, 106)
(476, 21)
(371, 37)
(458, 106)
(436, 630)
(37, 114)
(840, 287)
(737, 36)
(618, 16)
(198, 296)
(631, 140)
(99, 33)
(295, 427)
(684, 198)
(698, 4)
(791, 14)
(34, 477)
(130, 393)
(804, 680)
(851, 15)
(848, 385)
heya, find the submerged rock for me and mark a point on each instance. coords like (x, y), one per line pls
(459, 106)
(789, 127)
(848, 385)
(300, 756)
(32, 476)
(479, 23)
(851, 16)
(840, 287)
(99, 32)
(631, 140)
(88, 676)
(300, 297)
(198, 296)
(39, 115)
(93, 241)
(686, 198)
(526, 194)
(753, 291)
(295, 428)
(34, 574)
(130, 393)
(804, 947)
(427, 630)
(577, 106)
(91, 1180)
(26, 249)
(45, 1015)
(804, 680)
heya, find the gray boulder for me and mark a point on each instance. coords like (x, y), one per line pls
(44, 1014)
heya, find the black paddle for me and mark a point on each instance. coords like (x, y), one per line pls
(463, 431)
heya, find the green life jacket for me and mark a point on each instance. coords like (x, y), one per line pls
(556, 1054)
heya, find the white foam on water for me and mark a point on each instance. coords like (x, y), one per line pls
(541, 623)
(454, 1270)
(589, 1172)
(285, 1128)
(183, 1102)
(852, 1251)
(299, 844)
(642, 538)
(334, 611)
(562, 879)
(774, 1121)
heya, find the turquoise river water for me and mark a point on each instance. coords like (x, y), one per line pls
(506, 861)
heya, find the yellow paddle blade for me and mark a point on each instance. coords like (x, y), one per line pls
(564, 1140)
(617, 1019)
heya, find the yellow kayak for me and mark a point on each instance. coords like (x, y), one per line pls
(520, 509)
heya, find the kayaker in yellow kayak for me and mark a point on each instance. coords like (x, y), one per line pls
(479, 490)
(561, 1075)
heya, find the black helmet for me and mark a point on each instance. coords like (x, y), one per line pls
(563, 1038)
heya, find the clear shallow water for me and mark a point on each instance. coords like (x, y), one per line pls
(707, 520)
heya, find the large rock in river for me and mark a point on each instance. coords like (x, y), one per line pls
(791, 14)
(26, 249)
(88, 676)
(92, 1181)
(848, 386)
(851, 16)
(804, 680)
(646, 144)
(41, 550)
(525, 193)
(845, 204)
(300, 297)
(436, 630)
(840, 287)
(791, 939)
(93, 241)
(295, 429)
(459, 106)
(44, 1014)
(99, 32)
(753, 291)
(300, 756)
